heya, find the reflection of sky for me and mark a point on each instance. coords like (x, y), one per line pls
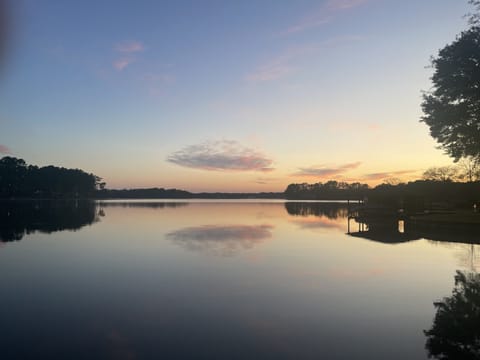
(298, 295)
(222, 240)
(320, 223)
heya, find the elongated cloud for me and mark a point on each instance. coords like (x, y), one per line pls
(323, 171)
(289, 60)
(220, 240)
(122, 63)
(221, 155)
(324, 15)
(345, 4)
(130, 47)
(386, 175)
(269, 72)
(4, 149)
(281, 65)
(127, 49)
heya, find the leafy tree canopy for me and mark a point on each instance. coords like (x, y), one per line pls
(452, 108)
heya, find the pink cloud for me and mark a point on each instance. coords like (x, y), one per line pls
(322, 171)
(307, 23)
(4, 149)
(122, 63)
(269, 72)
(280, 66)
(324, 15)
(130, 47)
(386, 175)
(225, 155)
(345, 4)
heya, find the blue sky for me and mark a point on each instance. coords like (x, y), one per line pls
(224, 95)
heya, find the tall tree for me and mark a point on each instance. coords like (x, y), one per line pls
(452, 108)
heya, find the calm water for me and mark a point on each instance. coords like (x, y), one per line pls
(215, 280)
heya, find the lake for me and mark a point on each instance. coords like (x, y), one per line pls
(217, 280)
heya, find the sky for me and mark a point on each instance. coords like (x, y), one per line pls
(224, 95)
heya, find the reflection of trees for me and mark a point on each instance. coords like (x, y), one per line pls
(220, 240)
(455, 333)
(386, 229)
(330, 210)
(140, 204)
(18, 218)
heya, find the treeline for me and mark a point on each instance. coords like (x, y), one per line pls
(161, 193)
(20, 180)
(331, 190)
(427, 194)
(415, 195)
(152, 193)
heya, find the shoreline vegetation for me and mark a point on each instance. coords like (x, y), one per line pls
(438, 200)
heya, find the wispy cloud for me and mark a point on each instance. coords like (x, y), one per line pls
(129, 47)
(4, 149)
(221, 240)
(221, 155)
(266, 180)
(323, 171)
(281, 65)
(345, 4)
(387, 175)
(324, 15)
(307, 23)
(122, 63)
(270, 71)
(287, 62)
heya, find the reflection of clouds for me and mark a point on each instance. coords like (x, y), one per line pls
(220, 240)
(319, 223)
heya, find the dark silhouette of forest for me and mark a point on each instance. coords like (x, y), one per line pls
(331, 190)
(20, 180)
(412, 197)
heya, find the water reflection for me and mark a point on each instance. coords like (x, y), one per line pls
(329, 210)
(18, 218)
(391, 230)
(220, 240)
(455, 332)
(143, 204)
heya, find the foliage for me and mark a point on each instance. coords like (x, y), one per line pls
(452, 108)
(331, 190)
(17, 179)
(470, 168)
(455, 333)
(442, 173)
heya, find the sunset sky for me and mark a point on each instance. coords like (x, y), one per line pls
(224, 95)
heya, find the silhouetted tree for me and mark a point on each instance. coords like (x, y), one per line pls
(455, 333)
(470, 168)
(331, 190)
(452, 108)
(19, 180)
(442, 173)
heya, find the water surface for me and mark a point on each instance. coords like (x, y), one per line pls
(215, 280)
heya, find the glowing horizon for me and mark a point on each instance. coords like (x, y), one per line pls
(241, 97)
